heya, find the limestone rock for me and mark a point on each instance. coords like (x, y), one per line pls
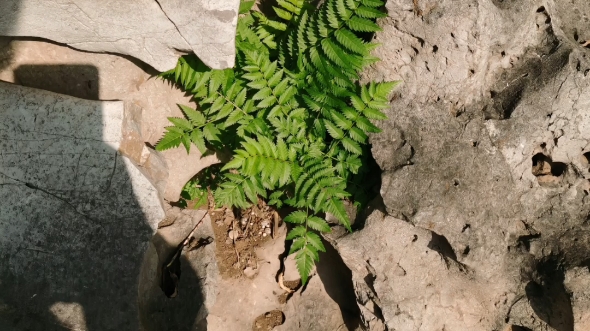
(149, 102)
(153, 31)
(483, 158)
(76, 215)
(196, 289)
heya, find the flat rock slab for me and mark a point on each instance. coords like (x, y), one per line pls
(76, 216)
(155, 32)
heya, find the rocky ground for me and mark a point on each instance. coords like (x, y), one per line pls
(482, 221)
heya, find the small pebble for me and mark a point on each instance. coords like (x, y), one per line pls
(264, 234)
(267, 231)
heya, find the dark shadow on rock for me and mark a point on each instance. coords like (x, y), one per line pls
(337, 280)
(548, 297)
(73, 231)
(79, 81)
(441, 245)
(173, 302)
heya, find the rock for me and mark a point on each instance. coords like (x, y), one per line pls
(577, 282)
(327, 301)
(149, 102)
(196, 288)
(76, 215)
(209, 27)
(291, 274)
(487, 86)
(156, 32)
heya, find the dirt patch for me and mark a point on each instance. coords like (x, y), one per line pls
(238, 234)
(268, 321)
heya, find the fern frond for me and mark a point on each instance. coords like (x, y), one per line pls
(171, 139)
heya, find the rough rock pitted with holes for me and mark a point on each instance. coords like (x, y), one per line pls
(485, 160)
(153, 31)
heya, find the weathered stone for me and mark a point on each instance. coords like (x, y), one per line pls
(155, 32)
(577, 282)
(76, 215)
(197, 286)
(149, 102)
(212, 36)
(492, 183)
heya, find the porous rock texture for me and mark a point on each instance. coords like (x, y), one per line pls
(153, 31)
(485, 177)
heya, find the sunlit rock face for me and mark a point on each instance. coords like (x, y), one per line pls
(153, 31)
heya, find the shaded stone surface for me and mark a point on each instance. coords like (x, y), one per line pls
(485, 182)
(75, 215)
(153, 31)
(197, 287)
(149, 102)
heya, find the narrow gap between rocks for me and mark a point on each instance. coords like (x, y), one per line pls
(337, 280)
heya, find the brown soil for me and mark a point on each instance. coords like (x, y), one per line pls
(268, 321)
(238, 236)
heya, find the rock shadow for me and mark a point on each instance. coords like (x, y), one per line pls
(337, 280)
(75, 216)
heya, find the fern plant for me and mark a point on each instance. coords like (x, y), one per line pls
(292, 112)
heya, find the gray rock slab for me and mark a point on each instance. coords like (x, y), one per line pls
(138, 28)
(75, 216)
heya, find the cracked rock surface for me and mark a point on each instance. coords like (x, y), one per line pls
(76, 216)
(156, 32)
(485, 169)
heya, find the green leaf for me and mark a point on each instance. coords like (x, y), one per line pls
(283, 14)
(297, 244)
(315, 241)
(374, 114)
(258, 84)
(352, 146)
(296, 217)
(198, 140)
(373, 3)
(245, 6)
(360, 24)
(262, 94)
(336, 208)
(241, 97)
(186, 141)
(181, 123)
(366, 125)
(318, 224)
(349, 40)
(368, 12)
(225, 111)
(211, 132)
(358, 135)
(235, 163)
(305, 261)
(194, 116)
(267, 102)
(334, 131)
(296, 232)
(171, 139)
